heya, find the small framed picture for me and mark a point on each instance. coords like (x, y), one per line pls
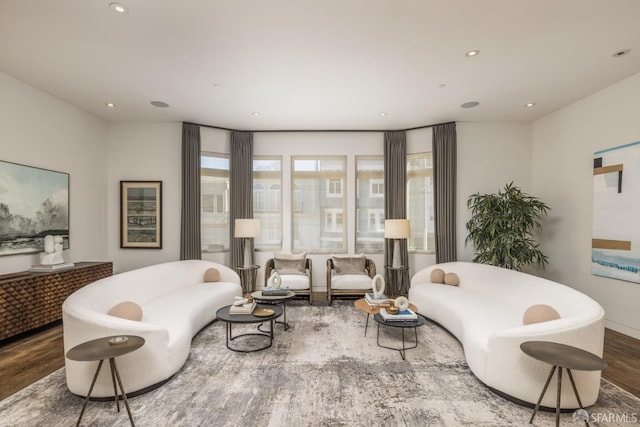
(141, 214)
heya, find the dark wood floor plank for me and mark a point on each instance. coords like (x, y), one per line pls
(35, 356)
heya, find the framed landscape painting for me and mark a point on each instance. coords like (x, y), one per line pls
(615, 247)
(141, 214)
(34, 202)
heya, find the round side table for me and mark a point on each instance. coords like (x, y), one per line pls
(106, 348)
(277, 300)
(561, 356)
(231, 319)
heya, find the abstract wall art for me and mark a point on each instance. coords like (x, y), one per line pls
(34, 202)
(615, 247)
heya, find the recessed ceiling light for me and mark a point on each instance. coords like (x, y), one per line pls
(622, 52)
(383, 114)
(110, 104)
(470, 104)
(530, 104)
(442, 85)
(159, 104)
(119, 8)
(255, 114)
(472, 52)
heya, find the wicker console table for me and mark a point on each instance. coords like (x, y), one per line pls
(29, 300)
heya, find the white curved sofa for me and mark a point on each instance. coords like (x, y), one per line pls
(176, 303)
(485, 313)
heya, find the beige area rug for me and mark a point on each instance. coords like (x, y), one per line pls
(321, 372)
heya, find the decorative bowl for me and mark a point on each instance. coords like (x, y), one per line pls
(392, 309)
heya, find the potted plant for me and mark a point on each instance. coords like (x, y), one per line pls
(502, 225)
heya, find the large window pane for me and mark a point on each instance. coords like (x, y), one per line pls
(420, 202)
(214, 226)
(318, 204)
(369, 204)
(267, 201)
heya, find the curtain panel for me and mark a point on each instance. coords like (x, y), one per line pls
(240, 189)
(190, 247)
(395, 198)
(444, 183)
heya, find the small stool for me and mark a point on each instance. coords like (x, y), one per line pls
(561, 356)
(106, 348)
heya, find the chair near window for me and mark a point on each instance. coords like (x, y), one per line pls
(295, 272)
(349, 276)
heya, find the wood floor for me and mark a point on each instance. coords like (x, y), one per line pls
(34, 356)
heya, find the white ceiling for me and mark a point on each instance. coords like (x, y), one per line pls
(320, 64)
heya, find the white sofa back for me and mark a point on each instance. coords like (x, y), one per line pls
(516, 289)
(145, 284)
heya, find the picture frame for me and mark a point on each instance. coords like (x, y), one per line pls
(34, 203)
(141, 214)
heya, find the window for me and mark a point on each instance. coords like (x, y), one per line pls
(420, 202)
(334, 188)
(376, 187)
(267, 203)
(214, 193)
(333, 219)
(370, 204)
(258, 198)
(318, 221)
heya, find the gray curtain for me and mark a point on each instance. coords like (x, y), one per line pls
(240, 189)
(395, 197)
(190, 247)
(444, 183)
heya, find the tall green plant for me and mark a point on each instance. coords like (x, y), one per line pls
(502, 225)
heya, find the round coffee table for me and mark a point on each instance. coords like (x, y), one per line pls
(561, 356)
(231, 319)
(405, 324)
(277, 300)
(362, 305)
(106, 348)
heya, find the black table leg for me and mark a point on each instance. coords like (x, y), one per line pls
(95, 377)
(544, 390)
(114, 369)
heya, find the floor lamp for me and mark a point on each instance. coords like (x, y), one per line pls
(396, 229)
(247, 229)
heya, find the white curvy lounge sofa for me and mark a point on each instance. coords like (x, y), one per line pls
(176, 303)
(485, 313)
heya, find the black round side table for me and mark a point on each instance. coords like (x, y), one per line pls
(561, 356)
(106, 348)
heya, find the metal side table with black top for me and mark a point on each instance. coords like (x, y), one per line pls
(561, 356)
(404, 324)
(106, 348)
(275, 300)
(271, 313)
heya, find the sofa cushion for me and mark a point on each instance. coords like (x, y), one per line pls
(349, 265)
(351, 281)
(126, 310)
(539, 313)
(451, 279)
(295, 281)
(212, 275)
(437, 275)
(290, 266)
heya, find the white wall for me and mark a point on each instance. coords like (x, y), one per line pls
(563, 146)
(144, 152)
(39, 130)
(490, 155)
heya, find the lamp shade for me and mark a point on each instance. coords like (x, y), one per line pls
(396, 229)
(247, 228)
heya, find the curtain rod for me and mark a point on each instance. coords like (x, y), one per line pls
(318, 130)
